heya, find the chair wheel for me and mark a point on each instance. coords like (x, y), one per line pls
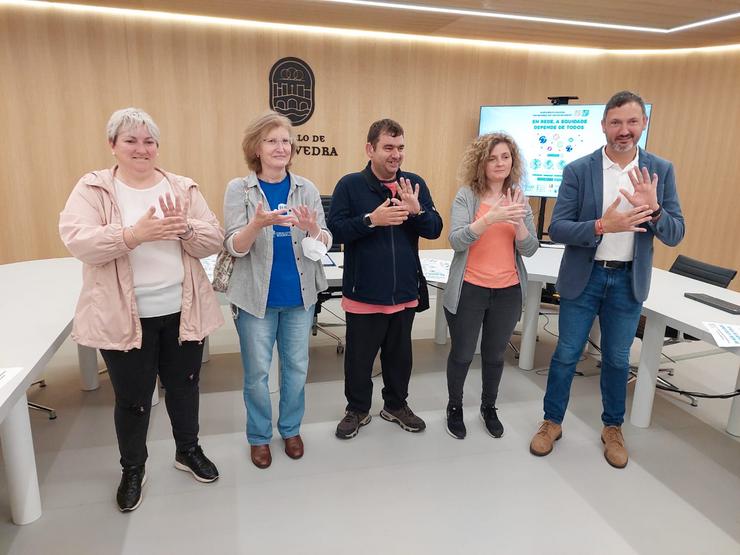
(340, 349)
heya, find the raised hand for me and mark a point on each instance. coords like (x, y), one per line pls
(264, 218)
(614, 221)
(175, 209)
(518, 198)
(646, 189)
(391, 212)
(151, 228)
(409, 196)
(305, 219)
(505, 210)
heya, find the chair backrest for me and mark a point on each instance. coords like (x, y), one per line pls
(708, 273)
(326, 204)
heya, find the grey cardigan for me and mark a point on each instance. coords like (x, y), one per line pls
(464, 207)
(250, 279)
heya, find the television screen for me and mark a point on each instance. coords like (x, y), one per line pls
(549, 137)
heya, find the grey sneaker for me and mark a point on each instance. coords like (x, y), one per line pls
(349, 426)
(404, 417)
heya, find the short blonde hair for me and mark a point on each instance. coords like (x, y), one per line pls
(472, 171)
(127, 119)
(258, 130)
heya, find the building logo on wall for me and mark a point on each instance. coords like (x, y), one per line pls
(292, 89)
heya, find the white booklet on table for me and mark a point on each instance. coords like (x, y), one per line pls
(725, 335)
(6, 377)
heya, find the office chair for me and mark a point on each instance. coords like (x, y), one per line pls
(700, 271)
(333, 292)
(41, 408)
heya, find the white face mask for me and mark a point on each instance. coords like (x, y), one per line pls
(313, 249)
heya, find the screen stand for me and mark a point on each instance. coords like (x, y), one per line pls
(541, 221)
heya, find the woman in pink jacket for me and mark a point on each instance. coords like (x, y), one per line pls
(146, 302)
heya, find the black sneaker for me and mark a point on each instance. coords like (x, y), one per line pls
(349, 426)
(194, 461)
(404, 417)
(129, 493)
(490, 419)
(455, 424)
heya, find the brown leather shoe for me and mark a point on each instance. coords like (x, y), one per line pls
(294, 447)
(261, 456)
(543, 441)
(615, 452)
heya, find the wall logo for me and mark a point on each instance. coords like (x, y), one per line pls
(292, 89)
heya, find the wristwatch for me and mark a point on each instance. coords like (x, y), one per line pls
(367, 221)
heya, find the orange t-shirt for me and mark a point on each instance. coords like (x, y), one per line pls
(491, 259)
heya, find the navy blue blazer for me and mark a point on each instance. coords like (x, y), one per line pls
(580, 204)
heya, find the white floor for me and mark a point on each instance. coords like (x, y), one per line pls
(388, 491)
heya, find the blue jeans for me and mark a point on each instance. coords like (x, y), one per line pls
(608, 294)
(291, 328)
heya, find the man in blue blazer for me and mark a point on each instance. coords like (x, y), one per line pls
(611, 205)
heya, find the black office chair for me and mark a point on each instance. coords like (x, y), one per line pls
(700, 271)
(333, 292)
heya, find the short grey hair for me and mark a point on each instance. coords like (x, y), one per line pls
(130, 118)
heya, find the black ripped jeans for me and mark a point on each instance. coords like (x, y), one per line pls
(134, 375)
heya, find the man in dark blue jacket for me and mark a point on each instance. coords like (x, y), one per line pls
(379, 215)
(611, 205)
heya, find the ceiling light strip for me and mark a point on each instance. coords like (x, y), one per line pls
(497, 15)
(350, 33)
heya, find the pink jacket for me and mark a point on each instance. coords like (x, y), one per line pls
(90, 227)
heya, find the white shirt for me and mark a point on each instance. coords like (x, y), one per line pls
(157, 265)
(616, 246)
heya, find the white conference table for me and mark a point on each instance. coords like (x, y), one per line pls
(666, 306)
(542, 268)
(37, 306)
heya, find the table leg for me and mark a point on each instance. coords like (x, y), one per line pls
(88, 358)
(155, 393)
(647, 372)
(595, 336)
(529, 325)
(206, 351)
(440, 322)
(20, 464)
(733, 422)
(273, 380)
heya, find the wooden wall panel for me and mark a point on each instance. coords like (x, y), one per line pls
(63, 74)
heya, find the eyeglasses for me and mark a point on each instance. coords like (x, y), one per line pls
(287, 143)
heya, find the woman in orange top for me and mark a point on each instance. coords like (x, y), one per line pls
(491, 229)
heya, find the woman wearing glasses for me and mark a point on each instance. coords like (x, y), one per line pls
(276, 230)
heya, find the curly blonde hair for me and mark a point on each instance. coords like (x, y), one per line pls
(257, 130)
(472, 171)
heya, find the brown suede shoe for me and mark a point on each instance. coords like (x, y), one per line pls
(261, 456)
(294, 447)
(543, 441)
(615, 452)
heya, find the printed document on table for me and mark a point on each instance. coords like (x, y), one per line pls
(725, 335)
(435, 270)
(6, 378)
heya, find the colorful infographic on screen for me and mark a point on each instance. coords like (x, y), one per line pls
(550, 137)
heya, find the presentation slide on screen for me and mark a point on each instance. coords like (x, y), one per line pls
(550, 137)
